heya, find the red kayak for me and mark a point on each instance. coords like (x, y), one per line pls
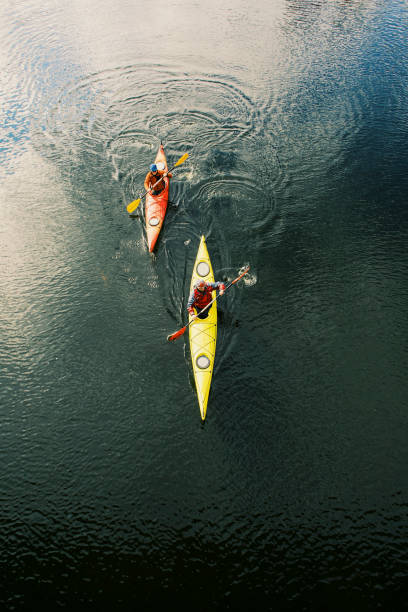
(156, 206)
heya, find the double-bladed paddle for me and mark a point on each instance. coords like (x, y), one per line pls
(133, 205)
(181, 331)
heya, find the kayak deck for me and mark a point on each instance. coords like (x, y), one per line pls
(156, 206)
(203, 332)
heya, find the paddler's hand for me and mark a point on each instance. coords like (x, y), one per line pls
(221, 292)
(191, 311)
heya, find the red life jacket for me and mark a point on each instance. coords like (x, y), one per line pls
(202, 298)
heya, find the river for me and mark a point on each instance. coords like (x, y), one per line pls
(292, 495)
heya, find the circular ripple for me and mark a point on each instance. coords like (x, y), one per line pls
(237, 198)
(117, 112)
(114, 119)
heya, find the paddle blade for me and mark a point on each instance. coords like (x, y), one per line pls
(181, 160)
(133, 205)
(177, 334)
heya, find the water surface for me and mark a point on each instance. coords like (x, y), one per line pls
(292, 496)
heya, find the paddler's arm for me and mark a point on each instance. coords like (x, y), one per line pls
(147, 181)
(162, 175)
(219, 286)
(190, 303)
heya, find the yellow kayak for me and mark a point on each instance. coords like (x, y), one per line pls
(203, 332)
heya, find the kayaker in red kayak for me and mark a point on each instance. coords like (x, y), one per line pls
(152, 177)
(201, 296)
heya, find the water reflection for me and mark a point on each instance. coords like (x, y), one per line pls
(294, 116)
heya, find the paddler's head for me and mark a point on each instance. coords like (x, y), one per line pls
(153, 169)
(201, 285)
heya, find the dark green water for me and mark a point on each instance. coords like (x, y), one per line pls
(293, 495)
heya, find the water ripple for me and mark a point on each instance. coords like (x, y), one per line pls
(111, 116)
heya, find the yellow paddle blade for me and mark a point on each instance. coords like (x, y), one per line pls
(133, 205)
(181, 160)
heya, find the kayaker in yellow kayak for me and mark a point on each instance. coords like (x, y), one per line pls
(201, 296)
(152, 177)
